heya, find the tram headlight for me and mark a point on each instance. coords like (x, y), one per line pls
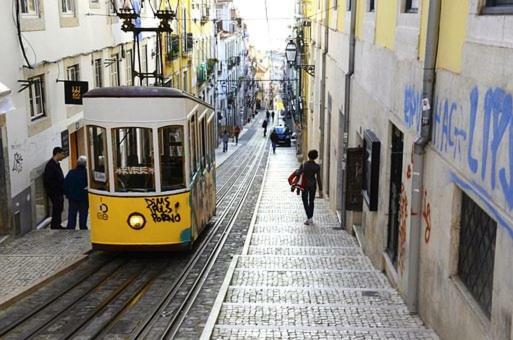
(136, 221)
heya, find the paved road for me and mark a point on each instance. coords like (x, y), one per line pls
(305, 282)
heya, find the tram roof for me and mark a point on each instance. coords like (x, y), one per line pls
(140, 92)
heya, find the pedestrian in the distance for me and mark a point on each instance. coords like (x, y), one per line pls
(274, 140)
(264, 126)
(75, 189)
(236, 133)
(267, 114)
(312, 174)
(272, 115)
(53, 181)
(226, 138)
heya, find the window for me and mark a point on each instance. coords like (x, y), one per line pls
(371, 6)
(498, 7)
(29, 7)
(348, 3)
(98, 73)
(114, 70)
(98, 158)
(134, 168)
(172, 171)
(186, 81)
(477, 252)
(37, 97)
(73, 72)
(192, 145)
(412, 6)
(68, 7)
(128, 61)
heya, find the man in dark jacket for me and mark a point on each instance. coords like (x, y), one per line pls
(75, 188)
(274, 140)
(53, 181)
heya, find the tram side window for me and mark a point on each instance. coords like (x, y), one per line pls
(171, 158)
(98, 159)
(134, 167)
(192, 146)
(203, 143)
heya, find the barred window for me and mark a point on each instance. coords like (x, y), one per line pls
(29, 7)
(477, 252)
(73, 72)
(98, 73)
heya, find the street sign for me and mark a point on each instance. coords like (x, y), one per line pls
(74, 90)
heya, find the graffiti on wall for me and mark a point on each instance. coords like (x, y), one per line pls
(426, 214)
(476, 133)
(403, 218)
(17, 164)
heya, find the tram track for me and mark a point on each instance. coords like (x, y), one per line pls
(93, 303)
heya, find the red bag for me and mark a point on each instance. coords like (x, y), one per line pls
(297, 182)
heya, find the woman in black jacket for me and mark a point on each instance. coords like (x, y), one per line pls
(312, 172)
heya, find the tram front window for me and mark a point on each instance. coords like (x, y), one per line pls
(98, 170)
(134, 168)
(171, 158)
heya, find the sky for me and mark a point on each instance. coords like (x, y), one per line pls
(262, 35)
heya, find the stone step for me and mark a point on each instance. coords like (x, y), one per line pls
(304, 262)
(302, 240)
(287, 295)
(299, 228)
(309, 278)
(256, 333)
(318, 315)
(310, 251)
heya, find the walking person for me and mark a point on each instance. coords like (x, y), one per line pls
(53, 182)
(264, 126)
(312, 173)
(236, 133)
(267, 114)
(75, 189)
(226, 138)
(272, 115)
(274, 140)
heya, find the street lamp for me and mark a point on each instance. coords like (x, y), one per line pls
(291, 52)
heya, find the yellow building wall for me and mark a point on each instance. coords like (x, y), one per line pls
(453, 26)
(386, 18)
(341, 15)
(180, 64)
(360, 13)
(424, 10)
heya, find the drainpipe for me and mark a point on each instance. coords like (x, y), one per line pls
(323, 83)
(347, 107)
(428, 89)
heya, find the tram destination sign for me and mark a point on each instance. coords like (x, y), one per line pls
(74, 90)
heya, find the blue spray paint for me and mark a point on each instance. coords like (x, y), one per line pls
(474, 99)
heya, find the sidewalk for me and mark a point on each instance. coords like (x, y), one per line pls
(31, 259)
(221, 156)
(305, 282)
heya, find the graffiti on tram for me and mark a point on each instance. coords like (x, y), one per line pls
(162, 210)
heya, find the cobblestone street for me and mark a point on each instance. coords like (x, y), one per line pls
(305, 282)
(38, 255)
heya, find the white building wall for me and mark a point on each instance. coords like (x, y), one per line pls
(50, 51)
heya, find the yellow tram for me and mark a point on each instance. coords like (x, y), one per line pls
(151, 167)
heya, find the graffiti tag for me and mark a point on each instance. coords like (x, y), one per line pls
(17, 165)
(161, 210)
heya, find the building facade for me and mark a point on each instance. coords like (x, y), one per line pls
(54, 42)
(410, 108)
(233, 66)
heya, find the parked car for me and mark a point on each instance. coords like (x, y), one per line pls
(284, 135)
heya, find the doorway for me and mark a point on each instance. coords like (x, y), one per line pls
(76, 146)
(4, 193)
(396, 169)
